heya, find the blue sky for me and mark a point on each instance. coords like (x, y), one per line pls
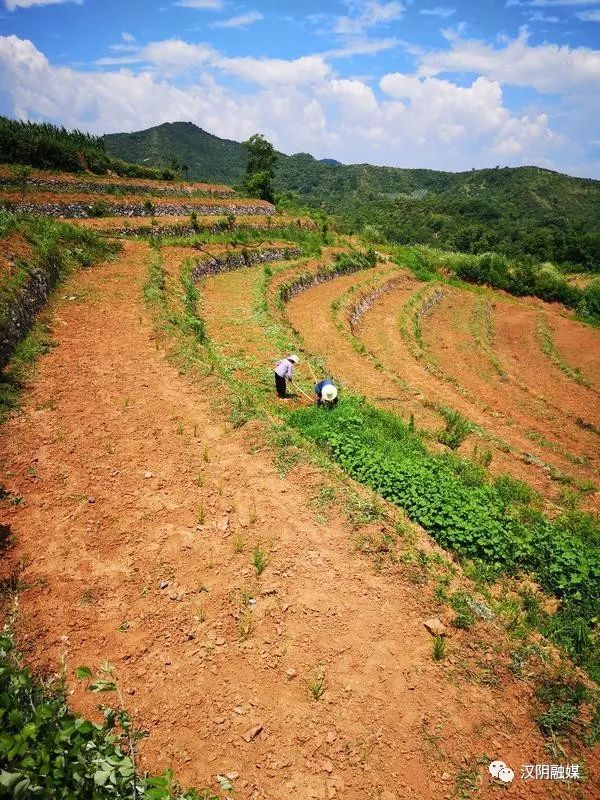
(446, 85)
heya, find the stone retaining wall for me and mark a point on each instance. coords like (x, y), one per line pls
(213, 265)
(21, 314)
(83, 210)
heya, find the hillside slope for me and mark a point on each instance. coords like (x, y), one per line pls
(524, 210)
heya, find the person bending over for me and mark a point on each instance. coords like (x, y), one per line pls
(284, 372)
(327, 393)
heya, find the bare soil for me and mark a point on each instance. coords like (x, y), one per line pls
(310, 313)
(578, 345)
(117, 457)
(513, 409)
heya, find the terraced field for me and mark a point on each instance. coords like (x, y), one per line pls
(265, 611)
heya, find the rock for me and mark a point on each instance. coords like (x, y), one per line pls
(91, 499)
(331, 737)
(327, 767)
(252, 733)
(220, 641)
(233, 776)
(435, 626)
(218, 720)
(164, 585)
(238, 710)
(148, 474)
(223, 524)
(291, 673)
(446, 776)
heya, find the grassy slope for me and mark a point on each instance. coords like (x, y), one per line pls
(521, 210)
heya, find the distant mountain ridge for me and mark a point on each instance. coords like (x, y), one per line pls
(520, 210)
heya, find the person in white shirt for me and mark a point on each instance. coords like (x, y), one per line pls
(284, 372)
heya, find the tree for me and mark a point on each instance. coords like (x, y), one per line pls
(260, 172)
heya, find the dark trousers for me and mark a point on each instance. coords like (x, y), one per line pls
(280, 385)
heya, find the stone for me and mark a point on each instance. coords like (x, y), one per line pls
(91, 499)
(331, 737)
(148, 474)
(220, 641)
(435, 626)
(291, 673)
(252, 733)
(232, 776)
(446, 776)
(164, 585)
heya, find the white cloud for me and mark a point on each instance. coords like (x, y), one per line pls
(11, 5)
(421, 121)
(241, 21)
(549, 68)
(176, 53)
(211, 5)
(276, 71)
(438, 11)
(360, 47)
(172, 55)
(365, 14)
(589, 16)
(128, 37)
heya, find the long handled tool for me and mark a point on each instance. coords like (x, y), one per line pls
(312, 372)
(301, 390)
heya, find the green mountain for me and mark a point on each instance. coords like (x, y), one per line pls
(206, 157)
(517, 211)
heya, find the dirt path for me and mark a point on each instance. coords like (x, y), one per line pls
(140, 511)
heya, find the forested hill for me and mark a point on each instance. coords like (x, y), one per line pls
(518, 211)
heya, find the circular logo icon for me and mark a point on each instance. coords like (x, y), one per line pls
(499, 770)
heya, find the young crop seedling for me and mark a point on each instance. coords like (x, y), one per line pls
(201, 519)
(245, 625)
(259, 559)
(439, 648)
(238, 543)
(316, 683)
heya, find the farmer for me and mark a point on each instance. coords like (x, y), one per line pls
(327, 393)
(284, 371)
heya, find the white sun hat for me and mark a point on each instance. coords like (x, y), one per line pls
(294, 359)
(329, 393)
